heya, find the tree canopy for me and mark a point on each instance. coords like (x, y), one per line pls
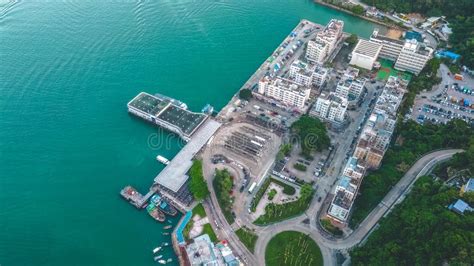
(421, 231)
(311, 134)
(245, 94)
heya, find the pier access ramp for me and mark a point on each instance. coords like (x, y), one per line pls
(174, 174)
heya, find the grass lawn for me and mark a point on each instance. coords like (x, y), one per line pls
(248, 238)
(279, 212)
(199, 210)
(207, 229)
(287, 189)
(292, 248)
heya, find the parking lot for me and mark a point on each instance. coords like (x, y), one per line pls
(452, 99)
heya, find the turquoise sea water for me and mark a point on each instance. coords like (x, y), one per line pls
(67, 144)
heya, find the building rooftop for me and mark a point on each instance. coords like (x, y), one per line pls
(174, 174)
(367, 48)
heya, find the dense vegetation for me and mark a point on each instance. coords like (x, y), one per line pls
(197, 185)
(279, 212)
(412, 141)
(287, 189)
(245, 94)
(421, 231)
(292, 248)
(300, 167)
(311, 134)
(460, 14)
(247, 237)
(425, 80)
(223, 185)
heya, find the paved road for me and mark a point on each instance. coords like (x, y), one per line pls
(327, 244)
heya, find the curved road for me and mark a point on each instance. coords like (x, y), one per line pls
(327, 244)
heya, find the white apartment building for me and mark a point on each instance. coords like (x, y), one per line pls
(346, 190)
(365, 54)
(284, 91)
(325, 42)
(408, 55)
(350, 87)
(413, 57)
(391, 48)
(306, 75)
(330, 108)
(320, 75)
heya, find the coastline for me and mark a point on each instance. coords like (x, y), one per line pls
(376, 21)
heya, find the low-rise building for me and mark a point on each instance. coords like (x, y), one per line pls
(319, 49)
(365, 54)
(202, 252)
(285, 91)
(468, 187)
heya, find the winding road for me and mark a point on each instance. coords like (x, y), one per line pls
(327, 244)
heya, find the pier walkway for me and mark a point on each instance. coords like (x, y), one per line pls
(174, 174)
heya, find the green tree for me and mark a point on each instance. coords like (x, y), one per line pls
(198, 185)
(311, 133)
(352, 40)
(358, 10)
(245, 94)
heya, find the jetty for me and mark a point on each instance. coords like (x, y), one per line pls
(195, 128)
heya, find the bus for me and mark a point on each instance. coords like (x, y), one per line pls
(252, 187)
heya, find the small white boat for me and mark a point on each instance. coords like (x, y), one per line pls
(167, 227)
(162, 160)
(162, 261)
(169, 260)
(156, 249)
(165, 244)
(158, 257)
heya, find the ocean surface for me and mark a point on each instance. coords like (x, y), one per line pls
(67, 143)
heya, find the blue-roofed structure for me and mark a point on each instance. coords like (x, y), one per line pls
(448, 54)
(460, 206)
(409, 35)
(469, 186)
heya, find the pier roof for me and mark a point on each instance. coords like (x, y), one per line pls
(174, 174)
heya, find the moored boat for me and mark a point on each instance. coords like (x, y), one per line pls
(158, 257)
(167, 227)
(167, 208)
(169, 260)
(154, 212)
(156, 249)
(162, 261)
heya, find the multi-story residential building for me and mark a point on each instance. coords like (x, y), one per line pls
(307, 75)
(325, 42)
(350, 87)
(413, 56)
(301, 73)
(346, 190)
(377, 132)
(285, 91)
(330, 108)
(320, 75)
